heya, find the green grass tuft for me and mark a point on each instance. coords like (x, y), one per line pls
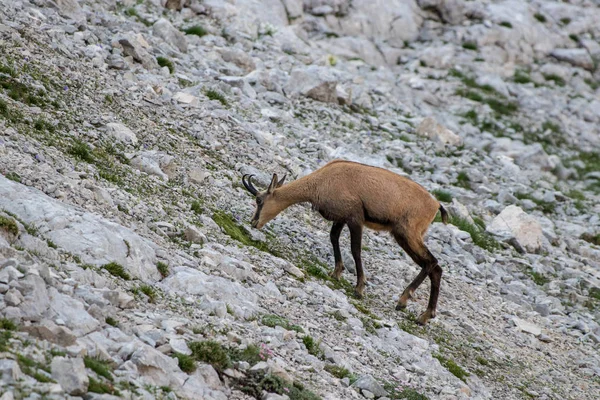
(116, 270)
(558, 80)
(8, 325)
(479, 236)
(197, 207)
(312, 346)
(540, 17)
(469, 45)
(272, 320)
(211, 352)
(100, 367)
(197, 30)
(82, 151)
(13, 176)
(165, 62)
(337, 371)
(521, 77)
(111, 321)
(451, 366)
(149, 291)
(186, 363)
(163, 268)
(590, 238)
(215, 95)
(102, 387)
(9, 225)
(506, 24)
(238, 232)
(442, 195)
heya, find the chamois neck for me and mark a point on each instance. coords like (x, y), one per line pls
(297, 191)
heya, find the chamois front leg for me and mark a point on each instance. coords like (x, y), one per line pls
(355, 244)
(336, 230)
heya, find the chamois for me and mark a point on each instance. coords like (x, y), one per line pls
(357, 195)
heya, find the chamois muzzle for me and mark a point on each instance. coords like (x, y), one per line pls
(248, 184)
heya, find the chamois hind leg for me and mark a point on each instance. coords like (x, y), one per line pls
(429, 267)
(336, 230)
(355, 244)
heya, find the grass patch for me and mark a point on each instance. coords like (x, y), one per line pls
(8, 325)
(272, 320)
(442, 195)
(186, 363)
(255, 383)
(238, 232)
(574, 37)
(13, 176)
(197, 30)
(252, 354)
(111, 321)
(102, 387)
(116, 270)
(165, 62)
(506, 24)
(211, 352)
(453, 367)
(479, 236)
(558, 80)
(216, 95)
(163, 269)
(337, 371)
(100, 367)
(312, 346)
(82, 151)
(9, 225)
(149, 291)
(469, 45)
(463, 180)
(482, 360)
(538, 278)
(521, 77)
(540, 17)
(197, 207)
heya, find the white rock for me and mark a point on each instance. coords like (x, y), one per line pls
(10, 371)
(70, 374)
(121, 133)
(186, 98)
(527, 326)
(165, 30)
(513, 222)
(318, 83)
(438, 133)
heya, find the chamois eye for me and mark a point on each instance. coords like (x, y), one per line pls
(259, 202)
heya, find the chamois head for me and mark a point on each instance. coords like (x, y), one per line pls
(267, 206)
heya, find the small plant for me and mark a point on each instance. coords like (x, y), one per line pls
(479, 236)
(210, 352)
(574, 37)
(197, 207)
(51, 244)
(101, 387)
(100, 367)
(82, 151)
(163, 268)
(7, 325)
(165, 62)
(506, 24)
(521, 77)
(9, 225)
(463, 180)
(272, 320)
(116, 270)
(311, 346)
(442, 195)
(337, 371)
(591, 238)
(186, 363)
(148, 291)
(13, 176)
(215, 95)
(451, 366)
(540, 17)
(252, 354)
(197, 30)
(565, 21)
(558, 80)
(469, 45)
(111, 321)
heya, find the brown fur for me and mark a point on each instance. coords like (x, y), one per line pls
(359, 195)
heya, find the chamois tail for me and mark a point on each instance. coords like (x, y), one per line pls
(444, 215)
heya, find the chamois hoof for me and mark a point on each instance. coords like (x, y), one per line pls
(400, 307)
(358, 295)
(334, 276)
(425, 317)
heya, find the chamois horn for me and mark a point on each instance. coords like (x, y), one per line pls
(248, 184)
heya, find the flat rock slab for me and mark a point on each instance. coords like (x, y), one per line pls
(94, 239)
(526, 326)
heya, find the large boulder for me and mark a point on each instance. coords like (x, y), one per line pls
(318, 83)
(438, 133)
(94, 239)
(70, 375)
(165, 30)
(521, 229)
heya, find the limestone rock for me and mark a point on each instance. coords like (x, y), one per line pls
(135, 45)
(70, 374)
(318, 83)
(441, 135)
(367, 382)
(121, 133)
(513, 222)
(165, 30)
(577, 57)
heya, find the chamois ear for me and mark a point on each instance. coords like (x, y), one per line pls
(273, 184)
(280, 183)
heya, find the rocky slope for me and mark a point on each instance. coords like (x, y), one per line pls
(127, 265)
